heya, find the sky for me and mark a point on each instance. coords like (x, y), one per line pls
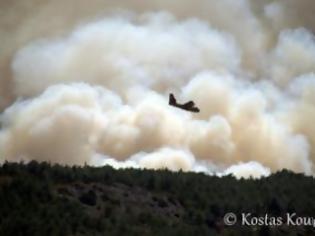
(88, 82)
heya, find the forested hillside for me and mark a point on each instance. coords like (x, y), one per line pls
(43, 199)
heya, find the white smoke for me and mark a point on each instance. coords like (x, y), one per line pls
(99, 94)
(248, 170)
(158, 53)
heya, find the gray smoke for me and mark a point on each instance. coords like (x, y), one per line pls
(93, 87)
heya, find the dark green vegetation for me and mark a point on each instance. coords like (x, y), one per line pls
(43, 199)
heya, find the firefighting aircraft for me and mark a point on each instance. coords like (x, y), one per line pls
(188, 106)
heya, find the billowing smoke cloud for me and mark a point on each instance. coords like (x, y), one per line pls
(248, 170)
(98, 92)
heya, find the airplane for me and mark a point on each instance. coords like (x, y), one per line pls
(188, 106)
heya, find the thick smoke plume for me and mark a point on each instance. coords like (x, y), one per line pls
(93, 87)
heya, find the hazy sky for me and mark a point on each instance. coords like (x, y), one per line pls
(88, 81)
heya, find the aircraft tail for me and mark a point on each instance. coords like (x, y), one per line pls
(172, 100)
